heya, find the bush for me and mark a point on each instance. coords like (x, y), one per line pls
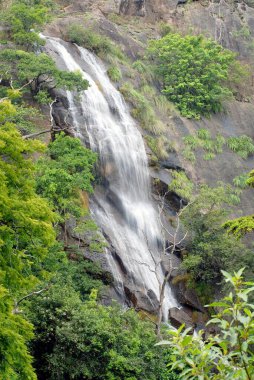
(210, 249)
(114, 73)
(228, 354)
(181, 185)
(192, 70)
(202, 139)
(84, 340)
(242, 145)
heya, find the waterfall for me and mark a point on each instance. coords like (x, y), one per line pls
(123, 207)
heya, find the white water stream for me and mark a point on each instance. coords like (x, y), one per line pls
(124, 209)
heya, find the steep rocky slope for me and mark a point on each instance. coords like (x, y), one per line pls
(131, 24)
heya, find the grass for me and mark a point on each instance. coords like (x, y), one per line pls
(181, 184)
(241, 181)
(189, 155)
(160, 146)
(242, 145)
(142, 110)
(114, 73)
(91, 40)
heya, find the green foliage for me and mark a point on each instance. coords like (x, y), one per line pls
(77, 340)
(144, 71)
(204, 134)
(142, 109)
(26, 235)
(241, 181)
(159, 146)
(15, 331)
(26, 220)
(66, 170)
(91, 40)
(23, 19)
(228, 354)
(241, 226)
(189, 155)
(25, 118)
(209, 156)
(242, 145)
(114, 73)
(37, 70)
(193, 71)
(164, 29)
(181, 185)
(210, 249)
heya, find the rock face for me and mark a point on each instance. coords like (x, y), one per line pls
(229, 23)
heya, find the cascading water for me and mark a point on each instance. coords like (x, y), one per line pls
(123, 208)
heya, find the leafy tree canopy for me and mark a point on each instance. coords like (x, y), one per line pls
(23, 18)
(87, 340)
(26, 220)
(66, 170)
(15, 331)
(20, 69)
(26, 235)
(193, 71)
(210, 249)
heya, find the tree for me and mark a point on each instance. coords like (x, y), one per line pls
(26, 235)
(193, 71)
(20, 69)
(23, 18)
(26, 230)
(210, 249)
(76, 340)
(15, 331)
(63, 173)
(227, 354)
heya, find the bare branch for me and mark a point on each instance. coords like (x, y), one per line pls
(17, 303)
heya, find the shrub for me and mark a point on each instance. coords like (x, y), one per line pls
(24, 18)
(228, 354)
(114, 73)
(242, 145)
(192, 70)
(181, 184)
(209, 156)
(204, 134)
(241, 181)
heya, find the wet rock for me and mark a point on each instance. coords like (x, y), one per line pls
(179, 316)
(140, 300)
(169, 164)
(185, 295)
(188, 317)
